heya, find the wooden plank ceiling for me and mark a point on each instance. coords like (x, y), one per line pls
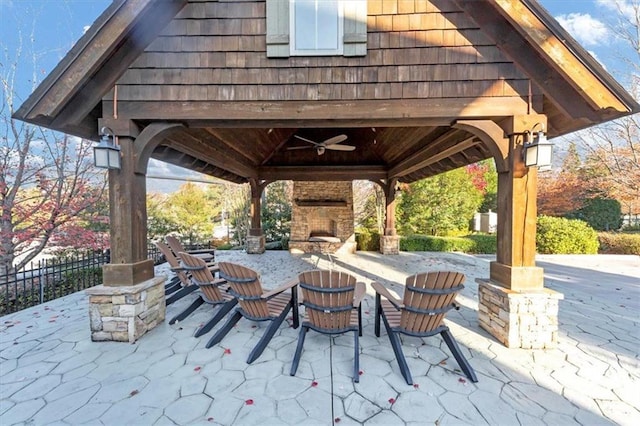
(239, 154)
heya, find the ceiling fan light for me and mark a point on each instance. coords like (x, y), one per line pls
(320, 150)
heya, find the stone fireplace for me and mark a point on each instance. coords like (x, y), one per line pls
(322, 218)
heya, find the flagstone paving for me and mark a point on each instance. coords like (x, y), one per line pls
(51, 372)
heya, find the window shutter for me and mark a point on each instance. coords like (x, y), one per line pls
(277, 28)
(355, 27)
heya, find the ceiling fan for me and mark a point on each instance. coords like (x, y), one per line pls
(331, 143)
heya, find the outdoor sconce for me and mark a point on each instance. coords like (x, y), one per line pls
(539, 151)
(106, 154)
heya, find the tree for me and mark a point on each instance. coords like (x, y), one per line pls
(485, 179)
(276, 211)
(439, 205)
(192, 212)
(613, 148)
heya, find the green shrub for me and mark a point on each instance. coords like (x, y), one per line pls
(558, 235)
(614, 243)
(602, 214)
(367, 240)
(483, 243)
(430, 243)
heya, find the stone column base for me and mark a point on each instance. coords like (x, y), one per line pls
(519, 319)
(255, 244)
(389, 244)
(125, 313)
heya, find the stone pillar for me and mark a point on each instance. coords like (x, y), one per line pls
(519, 319)
(514, 306)
(125, 313)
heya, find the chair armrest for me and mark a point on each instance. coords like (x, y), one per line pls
(290, 284)
(176, 269)
(359, 293)
(201, 251)
(382, 291)
(216, 282)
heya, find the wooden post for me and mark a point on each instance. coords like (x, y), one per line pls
(128, 214)
(255, 239)
(514, 267)
(389, 241)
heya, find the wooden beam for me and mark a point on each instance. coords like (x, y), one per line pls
(296, 114)
(322, 173)
(558, 55)
(210, 153)
(534, 63)
(493, 137)
(432, 153)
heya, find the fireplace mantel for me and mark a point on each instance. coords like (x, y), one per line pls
(321, 203)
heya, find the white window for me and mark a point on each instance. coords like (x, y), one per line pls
(316, 27)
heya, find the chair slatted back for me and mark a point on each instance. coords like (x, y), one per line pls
(427, 298)
(201, 276)
(172, 260)
(245, 286)
(175, 244)
(328, 298)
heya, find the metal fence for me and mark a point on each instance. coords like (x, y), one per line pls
(53, 278)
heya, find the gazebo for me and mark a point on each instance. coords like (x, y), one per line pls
(227, 87)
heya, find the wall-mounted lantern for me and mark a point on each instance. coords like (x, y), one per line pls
(539, 151)
(106, 154)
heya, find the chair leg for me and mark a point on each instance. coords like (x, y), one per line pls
(378, 313)
(192, 307)
(268, 334)
(296, 356)
(455, 350)
(360, 321)
(356, 357)
(222, 311)
(295, 308)
(181, 293)
(397, 350)
(225, 329)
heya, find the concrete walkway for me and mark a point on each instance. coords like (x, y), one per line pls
(51, 372)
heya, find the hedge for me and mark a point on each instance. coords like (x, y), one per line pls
(615, 243)
(475, 243)
(558, 235)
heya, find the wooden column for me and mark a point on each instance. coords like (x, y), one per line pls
(514, 267)
(390, 203)
(128, 214)
(255, 239)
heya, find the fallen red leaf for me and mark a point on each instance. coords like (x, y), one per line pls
(366, 312)
(360, 373)
(210, 419)
(443, 362)
(314, 383)
(134, 392)
(462, 380)
(416, 386)
(249, 402)
(337, 420)
(227, 351)
(392, 401)
(198, 368)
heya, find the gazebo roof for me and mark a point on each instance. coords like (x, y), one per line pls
(233, 130)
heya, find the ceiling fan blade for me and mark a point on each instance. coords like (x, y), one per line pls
(334, 140)
(341, 147)
(306, 140)
(298, 147)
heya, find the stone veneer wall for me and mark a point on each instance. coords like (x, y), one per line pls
(125, 313)
(519, 319)
(332, 212)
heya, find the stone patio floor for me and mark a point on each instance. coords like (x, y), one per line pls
(51, 372)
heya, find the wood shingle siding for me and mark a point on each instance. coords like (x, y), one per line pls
(216, 51)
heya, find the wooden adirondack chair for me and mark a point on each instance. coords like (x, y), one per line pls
(256, 304)
(332, 306)
(211, 291)
(180, 285)
(427, 298)
(208, 255)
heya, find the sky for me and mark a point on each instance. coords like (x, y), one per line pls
(55, 25)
